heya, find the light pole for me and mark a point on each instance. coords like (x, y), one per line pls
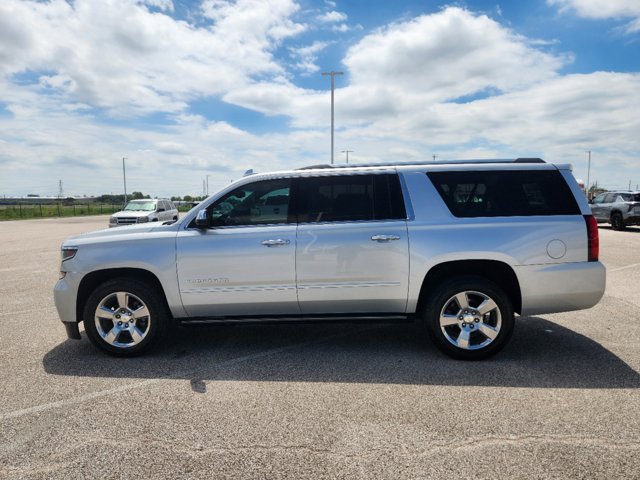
(347, 152)
(124, 177)
(588, 172)
(332, 74)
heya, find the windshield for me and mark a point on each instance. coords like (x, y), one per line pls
(140, 206)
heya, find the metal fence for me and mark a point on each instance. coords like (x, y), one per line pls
(43, 210)
(48, 210)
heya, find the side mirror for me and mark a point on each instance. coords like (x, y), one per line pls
(202, 219)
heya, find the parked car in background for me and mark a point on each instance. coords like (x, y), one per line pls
(620, 208)
(143, 211)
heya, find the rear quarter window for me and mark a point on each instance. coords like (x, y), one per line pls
(497, 193)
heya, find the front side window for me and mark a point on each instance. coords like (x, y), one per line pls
(348, 198)
(495, 193)
(260, 203)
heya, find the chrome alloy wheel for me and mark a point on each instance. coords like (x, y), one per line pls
(470, 320)
(122, 319)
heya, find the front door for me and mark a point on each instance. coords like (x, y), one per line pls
(245, 263)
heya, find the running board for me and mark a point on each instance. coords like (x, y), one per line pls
(369, 318)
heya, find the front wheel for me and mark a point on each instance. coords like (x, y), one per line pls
(124, 317)
(468, 318)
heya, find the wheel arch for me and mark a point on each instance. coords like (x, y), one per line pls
(498, 272)
(93, 279)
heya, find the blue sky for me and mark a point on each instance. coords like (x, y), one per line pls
(185, 89)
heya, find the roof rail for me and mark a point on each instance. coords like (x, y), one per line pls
(436, 162)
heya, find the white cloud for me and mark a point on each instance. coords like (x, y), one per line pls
(602, 9)
(121, 57)
(447, 55)
(166, 5)
(307, 56)
(333, 17)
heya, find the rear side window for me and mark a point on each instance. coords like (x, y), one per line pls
(505, 193)
(347, 198)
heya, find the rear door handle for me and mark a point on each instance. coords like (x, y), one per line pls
(275, 242)
(385, 238)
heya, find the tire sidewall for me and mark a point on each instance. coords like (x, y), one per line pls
(617, 222)
(148, 296)
(430, 315)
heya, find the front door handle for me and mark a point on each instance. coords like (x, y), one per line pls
(275, 242)
(385, 238)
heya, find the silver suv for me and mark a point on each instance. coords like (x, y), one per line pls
(459, 248)
(619, 208)
(144, 211)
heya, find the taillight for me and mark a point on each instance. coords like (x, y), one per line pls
(593, 239)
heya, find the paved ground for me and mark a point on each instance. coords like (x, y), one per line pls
(324, 401)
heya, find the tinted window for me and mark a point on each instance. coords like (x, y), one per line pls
(350, 198)
(610, 198)
(259, 203)
(505, 193)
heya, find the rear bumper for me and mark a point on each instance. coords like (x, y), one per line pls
(560, 287)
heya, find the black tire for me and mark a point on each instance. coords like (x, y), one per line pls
(466, 332)
(135, 317)
(617, 222)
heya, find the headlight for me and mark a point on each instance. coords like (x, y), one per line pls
(113, 220)
(68, 252)
(143, 219)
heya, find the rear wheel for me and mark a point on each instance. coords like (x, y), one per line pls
(124, 317)
(468, 317)
(617, 222)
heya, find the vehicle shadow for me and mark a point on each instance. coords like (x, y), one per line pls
(628, 229)
(540, 354)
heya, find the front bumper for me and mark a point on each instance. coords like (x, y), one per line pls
(65, 294)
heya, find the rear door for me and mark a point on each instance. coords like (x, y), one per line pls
(352, 245)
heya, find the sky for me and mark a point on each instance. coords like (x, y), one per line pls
(194, 92)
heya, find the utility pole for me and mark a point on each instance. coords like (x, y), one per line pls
(60, 189)
(588, 172)
(332, 74)
(347, 152)
(124, 177)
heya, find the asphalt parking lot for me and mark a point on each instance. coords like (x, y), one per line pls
(315, 401)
